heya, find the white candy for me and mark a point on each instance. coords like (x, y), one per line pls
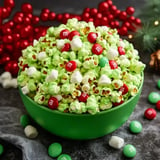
(31, 71)
(104, 80)
(41, 56)
(30, 131)
(25, 90)
(4, 76)
(60, 43)
(116, 142)
(76, 44)
(76, 77)
(35, 42)
(112, 54)
(52, 76)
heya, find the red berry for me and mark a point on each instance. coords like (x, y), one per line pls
(7, 38)
(44, 16)
(113, 64)
(130, 10)
(97, 49)
(35, 19)
(83, 97)
(66, 47)
(9, 3)
(71, 66)
(64, 33)
(85, 16)
(137, 21)
(124, 89)
(123, 31)
(150, 113)
(53, 103)
(121, 50)
(93, 12)
(103, 6)
(158, 105)
(92, 36)
(72, 34)
(123, 15)
(52, 16)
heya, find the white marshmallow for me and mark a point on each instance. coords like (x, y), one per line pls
(104, 80)
(6, 83)
(52, 76)
(76, 44)
(59, 97)
(31, 71)
(60, 43)
(116, 142)
(4, 76)
(41, 56)
(30, 131)
(14, 83)
(25, 90)
(76, 77)
(112, 54)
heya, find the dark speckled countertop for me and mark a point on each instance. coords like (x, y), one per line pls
(18, 147)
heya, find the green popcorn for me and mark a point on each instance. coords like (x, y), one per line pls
(31, 85)
(63, 107)
(92, 105)
(53, 88)
(72, 23)
(116, 97)
(50, 31)
(116, 73)
(22, 79)
(137, 66)
(105, 103)
(106, 70)
(106, 91)
(132, 89)
(57, 30)
(39, 98)
(116, 83)
(67, 88)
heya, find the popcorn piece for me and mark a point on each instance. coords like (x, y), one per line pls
(105, 103)
(76, 43)
(52, 76)
(112, 54)
(76, 77)
(30, 132)
(116, 142)
(86, 87)
(53, 88)
(41, 56)
(104, 80)
(117, 83)
(25, 90)
(31, 71)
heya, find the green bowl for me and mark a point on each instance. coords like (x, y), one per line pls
(83, 126)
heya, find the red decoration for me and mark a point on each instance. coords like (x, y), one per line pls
(150, 113)
(130, 10)
(83, 97)
(26, 8)
(53, 103)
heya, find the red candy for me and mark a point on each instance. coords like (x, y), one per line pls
(71, 66)
(150, 113)
(66, 47)
(53, 103)
(72, 34)
(92, 37)
(158, 105)
(97, 49)
(64, 33)
(83, 97)
(113, 64)
(121, 50)
(124, 89)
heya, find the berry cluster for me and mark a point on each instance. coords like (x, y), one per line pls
(19, 31)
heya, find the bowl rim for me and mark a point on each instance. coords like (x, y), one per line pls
(85, 114)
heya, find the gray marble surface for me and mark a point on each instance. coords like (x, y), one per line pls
(18, 147)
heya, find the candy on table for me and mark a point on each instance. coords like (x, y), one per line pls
(129, 151)
(30, 132)
(150, 113)
(158, 105)
(64, 157)
(116, 142)
(54, 149)
(24, 120)
(1, 149)
(158, 83)
(153, 97)
(135, 126)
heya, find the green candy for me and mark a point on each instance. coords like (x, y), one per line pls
(54, 150)
(153, 97)
(24, 120)
(103, 61)
(129, 151)
(1, 149)
(135, 127)
(158, 84)
(64, 157)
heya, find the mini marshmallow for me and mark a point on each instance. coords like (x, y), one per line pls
(6, 83)
(41, 56)
(104, 80)
(60, 43)
(14, 83)
(112, 54)
(30, 131)
(116, 142)
(52, 76)
(25, 90)
(76, 77)
(76, 44)
(31, 71)
(4, 76)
